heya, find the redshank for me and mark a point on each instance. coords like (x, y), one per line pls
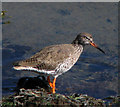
(56, 59)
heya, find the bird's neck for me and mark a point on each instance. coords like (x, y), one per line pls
(77, 43)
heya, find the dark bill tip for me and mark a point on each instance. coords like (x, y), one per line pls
(94, 45)
(100, 50)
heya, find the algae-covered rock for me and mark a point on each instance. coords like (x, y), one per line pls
(35, 95)
(38, 97)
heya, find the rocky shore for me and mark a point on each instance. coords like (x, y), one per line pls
(30, 94)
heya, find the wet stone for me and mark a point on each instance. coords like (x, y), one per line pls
(31, 97)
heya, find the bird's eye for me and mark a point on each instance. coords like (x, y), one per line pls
(86, 38)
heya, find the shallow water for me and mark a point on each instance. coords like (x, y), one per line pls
(36, 25)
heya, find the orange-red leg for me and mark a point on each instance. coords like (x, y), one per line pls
(53, 89)
(48, 78)
(52, 85)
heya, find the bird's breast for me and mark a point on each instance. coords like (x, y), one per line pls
(69, 62)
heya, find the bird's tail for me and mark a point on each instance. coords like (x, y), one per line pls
(18, 65)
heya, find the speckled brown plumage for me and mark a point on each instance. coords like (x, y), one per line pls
(49, 57)
(56, 59)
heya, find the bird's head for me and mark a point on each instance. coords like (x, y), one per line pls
(85, 39)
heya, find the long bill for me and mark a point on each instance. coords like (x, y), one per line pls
(94, 45)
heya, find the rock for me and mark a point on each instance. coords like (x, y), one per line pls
(32, 94)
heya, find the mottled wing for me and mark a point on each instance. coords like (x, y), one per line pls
(48, 58)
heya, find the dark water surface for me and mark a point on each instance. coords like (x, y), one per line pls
(36, 25)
